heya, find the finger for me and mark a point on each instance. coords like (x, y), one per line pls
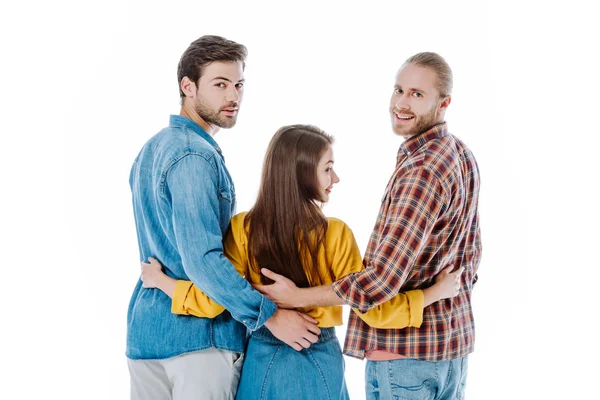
(313, 328)
(261, 288)
(271, 275)
(152, 259)
(143, 264)
(311, 338)
(296, 346)
(457, 273)
(308, 318)
(304, 343)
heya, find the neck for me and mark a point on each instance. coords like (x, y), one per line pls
(189, 112)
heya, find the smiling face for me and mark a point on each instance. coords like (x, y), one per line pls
(326, 175)
(416, 105)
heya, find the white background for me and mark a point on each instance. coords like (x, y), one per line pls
(85, 83)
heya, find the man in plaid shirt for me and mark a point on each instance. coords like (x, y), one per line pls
(428, 220)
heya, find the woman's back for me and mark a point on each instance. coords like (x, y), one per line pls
(338, 257)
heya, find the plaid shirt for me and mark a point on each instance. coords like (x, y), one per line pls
(428, 220)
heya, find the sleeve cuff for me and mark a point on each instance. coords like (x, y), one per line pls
(266, 311)
(182, 289)
(416, 299)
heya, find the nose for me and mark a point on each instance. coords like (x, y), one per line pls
(401, 102)
(233, 94)
(334, 177)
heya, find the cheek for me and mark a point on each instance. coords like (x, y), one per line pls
(325, 181)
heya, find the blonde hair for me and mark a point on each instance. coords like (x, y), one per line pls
(439, 65)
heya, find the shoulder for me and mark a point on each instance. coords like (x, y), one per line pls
(336, 227)
(432, 163)
(176, 142)
(237, 220)
(237, 225)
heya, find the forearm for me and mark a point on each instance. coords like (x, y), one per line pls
(166, 284)
(430, 295)
(318, 296)
(220, 281)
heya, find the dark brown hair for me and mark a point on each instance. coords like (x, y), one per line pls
(286, 227)
(205, 50)
(439, 66)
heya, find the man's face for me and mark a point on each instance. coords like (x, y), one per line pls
(415, 105)
(219, 93)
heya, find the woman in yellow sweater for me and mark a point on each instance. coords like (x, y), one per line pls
(287, 232)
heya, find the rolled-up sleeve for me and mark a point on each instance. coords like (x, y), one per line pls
(192, 189)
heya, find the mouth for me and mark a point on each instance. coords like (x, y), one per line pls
(403, 117)
(327, 191)
(230, 112)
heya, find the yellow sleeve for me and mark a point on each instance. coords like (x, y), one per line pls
(188, 299)
(403, 310)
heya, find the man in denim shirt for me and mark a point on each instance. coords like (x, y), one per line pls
(183, 199)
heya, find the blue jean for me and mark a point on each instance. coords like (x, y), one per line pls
(273, 370)
(411, 379)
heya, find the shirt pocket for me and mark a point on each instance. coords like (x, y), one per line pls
(226, 205)
(227, 193)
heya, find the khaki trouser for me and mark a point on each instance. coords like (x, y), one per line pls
(207, 374)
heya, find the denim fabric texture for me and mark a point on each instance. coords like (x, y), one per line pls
(412, 379)
(183, 199)
(274, 371)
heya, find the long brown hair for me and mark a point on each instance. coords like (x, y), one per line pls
(286, 227)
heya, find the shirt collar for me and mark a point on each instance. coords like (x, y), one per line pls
(181, 121)
(415, 142)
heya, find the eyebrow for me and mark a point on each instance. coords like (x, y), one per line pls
(226, 79)
(330, 161)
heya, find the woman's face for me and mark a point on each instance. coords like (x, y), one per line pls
(326, 175)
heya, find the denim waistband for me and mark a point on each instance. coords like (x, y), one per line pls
(265, 334)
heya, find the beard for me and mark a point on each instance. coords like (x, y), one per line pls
(421, 123)
(215, 117)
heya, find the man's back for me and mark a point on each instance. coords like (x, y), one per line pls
(153, 331)
(428, 220)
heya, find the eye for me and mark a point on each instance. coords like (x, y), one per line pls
(417, 94)
(398, 91)
(239, 85)
(221, 85)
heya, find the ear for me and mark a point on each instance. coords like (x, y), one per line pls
(445, 103)
(188, 87)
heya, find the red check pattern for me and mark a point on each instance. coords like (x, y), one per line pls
(428, 220)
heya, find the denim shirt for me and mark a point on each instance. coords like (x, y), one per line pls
(183, 199)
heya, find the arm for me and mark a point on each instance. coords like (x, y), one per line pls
(417, 198)
(293, 328)
(191, 189)
(187, 298)
(405, 309)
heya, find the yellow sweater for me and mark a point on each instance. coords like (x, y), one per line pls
(339, 257)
